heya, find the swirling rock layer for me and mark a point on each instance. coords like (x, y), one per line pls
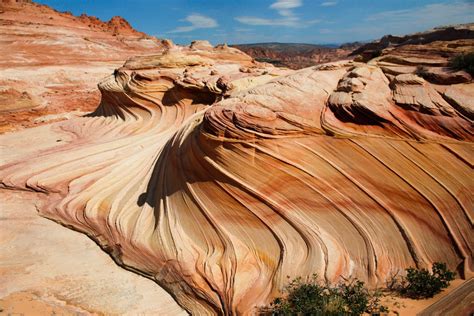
(218, 177)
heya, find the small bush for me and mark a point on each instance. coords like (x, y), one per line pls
(314, 298)
(420, 283)
(376, 53)
(463, 62)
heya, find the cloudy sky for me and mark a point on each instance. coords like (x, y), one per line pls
(296, 21)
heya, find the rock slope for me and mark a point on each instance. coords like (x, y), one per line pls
(52, 61)
(218, 177)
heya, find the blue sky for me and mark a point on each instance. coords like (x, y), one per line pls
(295, 21)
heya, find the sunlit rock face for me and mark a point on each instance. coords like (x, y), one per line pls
(218, 177)
(51, 61)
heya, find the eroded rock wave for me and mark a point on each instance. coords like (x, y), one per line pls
(218, 177)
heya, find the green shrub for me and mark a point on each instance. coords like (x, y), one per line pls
(420, 283)
(315, 298)
(463, 62)
(376, 53)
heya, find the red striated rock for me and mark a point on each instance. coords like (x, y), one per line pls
(446, 76)
(49, 54)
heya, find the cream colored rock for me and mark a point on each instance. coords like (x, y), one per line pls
(461, 97)
(412, 92)
(362, 96)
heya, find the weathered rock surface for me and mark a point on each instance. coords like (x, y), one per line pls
(218, 177)
(441, 41)
(427, 54)
(47, 54)
(461, 97)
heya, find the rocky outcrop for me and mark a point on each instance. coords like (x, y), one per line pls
(426, 54)
(52, 61)
(461, 97)
(419, 42)
(421, 79)
(218, 177)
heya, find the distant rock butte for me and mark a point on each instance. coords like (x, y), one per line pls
(218, 176)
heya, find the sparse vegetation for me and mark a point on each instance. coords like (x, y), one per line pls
(312, 297)
(421, 283)
(376, 53)
(463, 62)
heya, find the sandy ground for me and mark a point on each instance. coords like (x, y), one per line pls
(48, 269)
(459, 301)
(409, 307)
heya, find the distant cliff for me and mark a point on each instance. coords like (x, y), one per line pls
(294, 55)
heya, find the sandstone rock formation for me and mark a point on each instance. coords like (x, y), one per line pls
(294, 55)
(440, 41)
(46, 54)
(218, 177)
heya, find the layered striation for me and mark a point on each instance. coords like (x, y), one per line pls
(219, 177)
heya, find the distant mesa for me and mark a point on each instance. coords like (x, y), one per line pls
(296, 55)
(116, 25)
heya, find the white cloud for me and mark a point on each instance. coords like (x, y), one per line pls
(242, 29)
(251, 20)
(427, 16)
(198, 21)
(286, 4)
(328, 3)
(407, 21)
(284, 7)
(285, 10)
